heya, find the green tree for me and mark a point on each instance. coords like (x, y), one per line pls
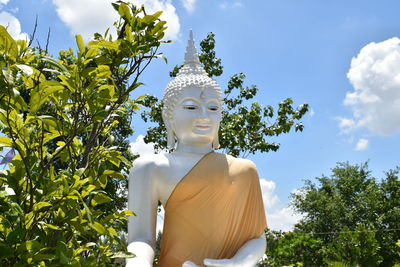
(246, 124)
(291, 249)
(354, 215)
(59, 116)
(355, 248)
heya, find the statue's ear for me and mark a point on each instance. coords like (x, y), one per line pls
(170, 132)
(165, 119)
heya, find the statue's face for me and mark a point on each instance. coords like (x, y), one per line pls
(196, 116)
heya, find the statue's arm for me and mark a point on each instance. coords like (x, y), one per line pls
(253, 250)
(247, 256)
(142, 200)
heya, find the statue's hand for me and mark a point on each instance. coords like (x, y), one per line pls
(220, 263)
(189, 264)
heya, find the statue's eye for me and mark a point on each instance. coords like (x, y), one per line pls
(190, 107)
(213, 108)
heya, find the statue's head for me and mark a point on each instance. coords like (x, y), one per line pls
(192, 108)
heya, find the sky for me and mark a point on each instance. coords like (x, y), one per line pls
(341, 57)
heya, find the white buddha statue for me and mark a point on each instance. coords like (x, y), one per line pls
(214, 214)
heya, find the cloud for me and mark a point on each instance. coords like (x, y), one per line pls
(375, 101)
(189, 5)
(13, 25)
(230, 4)
(269, 197)
(346, 125)
(139, 147)
(86, 17)
(4, 2)
(362, 144)
(278, 217)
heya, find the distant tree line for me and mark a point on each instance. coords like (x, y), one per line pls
(350, 219)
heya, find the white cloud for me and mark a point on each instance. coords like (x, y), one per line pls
(375, 76)
(362, 144)
(268, 191)
(13, 25)
(86, 17)
(3, 2)
(346, 125)
(230, 4)
(189, 5)
(278, 217)
(283, 219)
(139, 147)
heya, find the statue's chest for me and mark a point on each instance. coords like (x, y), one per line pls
(170, 177)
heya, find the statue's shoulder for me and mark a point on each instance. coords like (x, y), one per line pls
(150, 163)
(240, 165)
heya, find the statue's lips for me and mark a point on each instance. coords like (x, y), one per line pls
(202, 127)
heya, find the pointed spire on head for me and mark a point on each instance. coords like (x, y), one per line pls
(192, 64)
(191, 55)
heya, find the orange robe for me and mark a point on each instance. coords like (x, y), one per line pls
(213, 211)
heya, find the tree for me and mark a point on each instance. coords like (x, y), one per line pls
(354, 217)
(290, 248)
(59, 116)
(245, 126)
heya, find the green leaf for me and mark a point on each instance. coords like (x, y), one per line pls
(128, 32)
(122, 254)
(5, 141)
(7, 43)
(124, 11)
(8, 75)
(114, 174)
(54, 63)
(104, 44)
(80, 43)
(40, 94)
(28, 71)
(92, 52)
(112, 231)
(100, 198)
(54, 227)
(99, 228)
(48, 137)
(100, 116)
(86, 191)
(162, 57)
(29, 219)
(41, 205)
(103, 181)
(32, 245)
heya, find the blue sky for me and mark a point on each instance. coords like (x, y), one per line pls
(301, 49)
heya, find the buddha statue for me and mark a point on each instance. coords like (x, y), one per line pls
(214, 214)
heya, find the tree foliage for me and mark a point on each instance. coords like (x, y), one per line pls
(300, 248)
(350, 218)
(60, 117)
(246, 124)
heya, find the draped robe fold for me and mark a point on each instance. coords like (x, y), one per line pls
(213, 211)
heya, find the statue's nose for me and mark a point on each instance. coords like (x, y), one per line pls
(203, 112)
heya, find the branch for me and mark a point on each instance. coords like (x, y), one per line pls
(47, 41)
(34, 32)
